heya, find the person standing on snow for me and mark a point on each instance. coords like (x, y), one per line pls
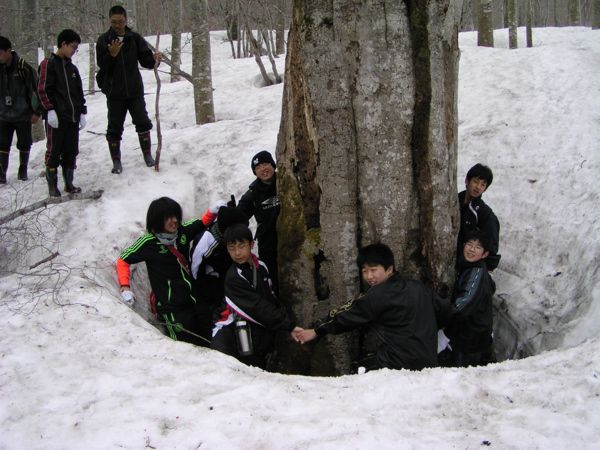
(19, 107)
(261, 201)
(61, 94)
(118, 52)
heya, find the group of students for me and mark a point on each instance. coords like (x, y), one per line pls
(212, 290)
(55, 93)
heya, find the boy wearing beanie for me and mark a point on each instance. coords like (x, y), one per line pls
(261, 201)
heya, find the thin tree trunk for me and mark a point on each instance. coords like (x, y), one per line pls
(201, 65)
(485, 30)
(257, 58)
(280, 9)
(366, 152)
(574, 12)
(92, 68)
(174, 19)
(271, 58)
(512, 24)
(529, 23)
(595, 14)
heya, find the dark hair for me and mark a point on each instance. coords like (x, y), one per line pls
(478, 235)
(67, 36)
(481, 171)
(160, 210)
(5, 43)
(117, 10)
(376, 254)
(237, 233)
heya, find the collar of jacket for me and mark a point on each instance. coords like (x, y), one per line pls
(112, 35)
(259, 185)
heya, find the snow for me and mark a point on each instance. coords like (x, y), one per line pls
(82, 370)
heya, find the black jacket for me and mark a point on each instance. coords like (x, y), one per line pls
(171, 284)
(60, 88)
(476, 215)
(18, 81)
(119, 77)
(470, 327)
(253, 300)
(261, 201)
(401, 317)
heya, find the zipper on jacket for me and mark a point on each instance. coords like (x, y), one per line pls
(69, 91)
(124, 71)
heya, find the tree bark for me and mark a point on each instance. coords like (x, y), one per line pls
(574, 12)
(529, 23)
(280, 30)
(366, 152)
(485, 29)
(201, 66)
(175, 26)
(596, 14)
(512, 24)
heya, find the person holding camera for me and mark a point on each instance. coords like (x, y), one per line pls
(19, 107)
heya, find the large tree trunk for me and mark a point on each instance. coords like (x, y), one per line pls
(201, 67)
(366, 152)
(485, 29)
(529, 24)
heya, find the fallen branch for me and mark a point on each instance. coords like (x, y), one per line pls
(91, 195)
(45, 260)
(95, 133)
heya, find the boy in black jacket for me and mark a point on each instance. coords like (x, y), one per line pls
(248, 298)
(475, 214)
(118, 52)
(399, 313)
(261, 201)
(61, 94)
(470, 326)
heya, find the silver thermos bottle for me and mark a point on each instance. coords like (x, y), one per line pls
(244, 338)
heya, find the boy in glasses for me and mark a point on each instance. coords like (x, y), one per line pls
(471, 323)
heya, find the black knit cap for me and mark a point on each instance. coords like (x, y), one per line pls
(262, 157)
(228, 215)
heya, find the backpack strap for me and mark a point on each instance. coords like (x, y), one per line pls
(180, 258)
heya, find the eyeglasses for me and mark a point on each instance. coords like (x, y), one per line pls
(474, 246)
(118, 21)
(74, 46)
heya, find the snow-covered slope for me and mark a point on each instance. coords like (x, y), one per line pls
(81, 370)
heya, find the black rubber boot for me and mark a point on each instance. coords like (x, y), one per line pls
(146, 146)
(52, 179)
(115, 154)
(23, 162)
(3, 166)
(68, 175)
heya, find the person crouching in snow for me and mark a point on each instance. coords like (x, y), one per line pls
(252, 314)
(163, 249)
(400, 315)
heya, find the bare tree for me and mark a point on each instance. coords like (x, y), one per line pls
(280, 15)
(574, 12)
(595, 14)
(201, 67)
(529, 24)
(366, 152)
(485, 30)
(512, 23)
(174, 16)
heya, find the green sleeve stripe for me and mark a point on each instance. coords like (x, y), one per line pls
(189, 222)
(137, 244)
